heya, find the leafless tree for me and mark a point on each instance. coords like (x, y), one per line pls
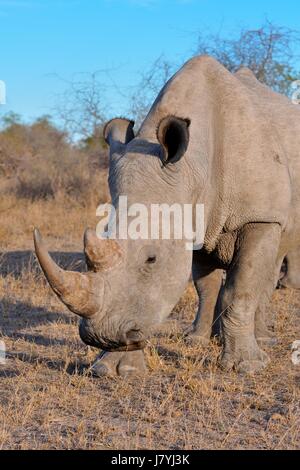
(151, 81)
(81, 111)
(269, 51)
(81, 108)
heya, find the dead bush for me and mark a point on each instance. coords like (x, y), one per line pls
(38, 162)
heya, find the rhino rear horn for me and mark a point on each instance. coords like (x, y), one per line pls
(101, 254)
(81, 293)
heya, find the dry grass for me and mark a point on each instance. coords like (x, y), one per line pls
(48, 400)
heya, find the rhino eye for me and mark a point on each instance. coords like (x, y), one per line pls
(151, 260)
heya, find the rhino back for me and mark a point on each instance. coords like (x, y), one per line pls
(244, 144)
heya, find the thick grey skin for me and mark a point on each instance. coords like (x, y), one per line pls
(243, 162)
(240, 157)
(209, 312)
(210, 289)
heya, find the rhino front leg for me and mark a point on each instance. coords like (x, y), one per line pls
(250, 275)
(208, 283)
(110, 364)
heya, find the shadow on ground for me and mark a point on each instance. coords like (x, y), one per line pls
(52, 363)
(17, 262)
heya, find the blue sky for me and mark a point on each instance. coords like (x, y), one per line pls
(42, 40)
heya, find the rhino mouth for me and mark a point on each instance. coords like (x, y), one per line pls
(92, 338)
(126, 347)
(131, 340)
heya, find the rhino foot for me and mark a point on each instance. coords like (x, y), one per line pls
(244, 356)
(196, 339)
(111, 364)
(251, 367)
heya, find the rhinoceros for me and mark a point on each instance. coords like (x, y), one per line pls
(211, 137)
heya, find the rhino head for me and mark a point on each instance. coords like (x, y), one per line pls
(130, 285)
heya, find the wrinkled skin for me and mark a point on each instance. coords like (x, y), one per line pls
(221, 140)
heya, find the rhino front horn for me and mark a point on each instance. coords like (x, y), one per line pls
(81, 293)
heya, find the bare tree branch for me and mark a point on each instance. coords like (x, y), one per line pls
(268, 51)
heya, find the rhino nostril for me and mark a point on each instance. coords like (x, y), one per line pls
(133, 336)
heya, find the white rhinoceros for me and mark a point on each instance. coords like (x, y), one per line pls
(215, 138)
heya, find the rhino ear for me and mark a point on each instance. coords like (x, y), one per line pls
(173, 135)
(118, 130)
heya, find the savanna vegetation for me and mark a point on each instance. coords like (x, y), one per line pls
(53, 174)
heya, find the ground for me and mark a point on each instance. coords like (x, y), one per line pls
(48, 400)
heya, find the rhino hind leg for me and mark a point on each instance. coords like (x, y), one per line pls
(110, 364)
(206, 321)
(291, 278)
